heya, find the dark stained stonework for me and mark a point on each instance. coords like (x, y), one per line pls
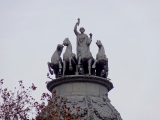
(101, 62)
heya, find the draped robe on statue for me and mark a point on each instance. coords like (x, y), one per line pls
(82, 47)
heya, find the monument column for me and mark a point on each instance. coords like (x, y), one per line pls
(90, 93)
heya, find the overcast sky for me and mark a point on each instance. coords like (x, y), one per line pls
(129, 30)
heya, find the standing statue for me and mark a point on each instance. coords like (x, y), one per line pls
(69, 59)
(84, 55)
(101, 62)
(56, 62)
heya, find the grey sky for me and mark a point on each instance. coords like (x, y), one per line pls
(129, 30)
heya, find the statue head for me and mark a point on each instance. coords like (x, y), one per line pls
(66, 42)
(82, 30)
(99, 44)
(59, 47)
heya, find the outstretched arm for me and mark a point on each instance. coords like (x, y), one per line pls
(90, 39)
(75, 27)
(90, 36)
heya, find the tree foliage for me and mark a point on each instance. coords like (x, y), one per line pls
(17, 104)
(20, 105)
(58, 110)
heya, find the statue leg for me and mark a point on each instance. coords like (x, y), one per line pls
(79, 62)
(60, 65)
(89, 66)
(49, 68)
(94, 64)
(64, 67)
(70, 64)
(74, 63)
(103, 73)
(106, 69)
(60, 69)
(73, 60)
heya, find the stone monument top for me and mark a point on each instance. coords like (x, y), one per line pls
(81, 63)
(81, 80)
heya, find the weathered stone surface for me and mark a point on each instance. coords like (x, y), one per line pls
(76, 80)
(89, 93)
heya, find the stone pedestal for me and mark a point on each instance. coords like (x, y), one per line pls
(89, 93)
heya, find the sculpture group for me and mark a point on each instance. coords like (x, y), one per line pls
(84, 63)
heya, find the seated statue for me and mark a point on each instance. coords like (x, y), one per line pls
(86, 58)
(55, 66)
(101, 62)
(69, 59)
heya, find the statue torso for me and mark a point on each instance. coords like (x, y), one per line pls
(81, 43)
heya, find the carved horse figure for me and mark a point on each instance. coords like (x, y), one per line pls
(56, 62)
(69, 59)
(101, 62)
(86, 59)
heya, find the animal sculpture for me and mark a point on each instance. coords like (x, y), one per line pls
(85, 59)
(55, 66)
(101, 62)
(69, 59)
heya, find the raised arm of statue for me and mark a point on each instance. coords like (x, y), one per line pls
(75, 27)
(89, 39)
(90, 35)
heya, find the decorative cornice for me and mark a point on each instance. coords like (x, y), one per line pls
(79, 78)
